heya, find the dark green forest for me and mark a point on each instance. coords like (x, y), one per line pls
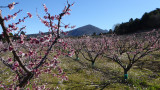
(148, 21)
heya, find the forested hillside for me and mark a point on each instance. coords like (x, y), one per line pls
(148, 21)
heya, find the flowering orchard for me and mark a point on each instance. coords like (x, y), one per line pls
(28, 59)
(92, 49)
(25, 60)
(125, 50)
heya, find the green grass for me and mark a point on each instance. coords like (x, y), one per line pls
(105, 75)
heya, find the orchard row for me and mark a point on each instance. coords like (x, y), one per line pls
(27, 59)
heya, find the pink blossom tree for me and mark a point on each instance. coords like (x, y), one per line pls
(28, 59)
(76, 45)
(129, 49)
(92, 48)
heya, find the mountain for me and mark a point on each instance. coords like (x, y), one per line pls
(35, 35)
(86, 30)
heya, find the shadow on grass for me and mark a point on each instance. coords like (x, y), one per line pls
(112, 76)
(156, 56)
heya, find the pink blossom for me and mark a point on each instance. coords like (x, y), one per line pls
(67, 13)
(72, 4)
(9, 17)
(10, 59)
(65, 9)
(5, 18)
(55, 58)
(32, 64)
(37, 42)
(29, 14)
(11, 6)
(46, 71)
(60, 40)
(45, 8)
(10, 48)
(66, 26)
(20, 52)
(43, 87)
(15, 14)
(45, 22)
(60, 70)
(21, 42)
(45, 17)
(54, 75)
(52, 17)
(20, 20)
(16, 64)
(50, 35)
(5, 49)
(57, 17)
(30, 53)
(64, 77)
(41, 39)
(26, 55)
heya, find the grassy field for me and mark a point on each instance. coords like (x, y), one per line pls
(105, 75)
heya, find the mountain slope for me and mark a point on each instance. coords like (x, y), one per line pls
(86, 30)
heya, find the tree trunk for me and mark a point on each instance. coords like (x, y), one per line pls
(77, 57)
(25, 80)
(125, 75)
(93, 63)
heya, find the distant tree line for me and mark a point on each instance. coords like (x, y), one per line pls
(148, 21)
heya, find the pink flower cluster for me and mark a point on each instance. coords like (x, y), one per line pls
(12, 16)
(45, 8)
(11, 6)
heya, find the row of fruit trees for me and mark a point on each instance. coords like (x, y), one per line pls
(26, 59)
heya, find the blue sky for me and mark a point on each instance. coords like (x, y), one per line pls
(101, 13)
